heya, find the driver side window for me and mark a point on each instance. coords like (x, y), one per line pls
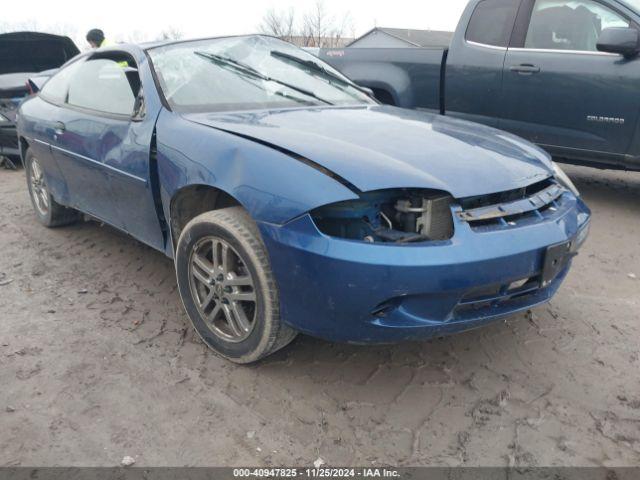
(106, 85)
(570, 24)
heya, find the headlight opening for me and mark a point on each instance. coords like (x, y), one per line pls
(392, 216)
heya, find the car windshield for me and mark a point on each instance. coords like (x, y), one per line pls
(248, 73)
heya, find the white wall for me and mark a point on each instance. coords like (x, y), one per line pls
(379, 39)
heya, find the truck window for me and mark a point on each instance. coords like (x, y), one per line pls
(492, 22)
(570, 24)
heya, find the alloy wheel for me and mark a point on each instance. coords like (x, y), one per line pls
(39, 188)
(223, 289)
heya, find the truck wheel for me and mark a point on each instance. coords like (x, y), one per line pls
(227, 286)
(49, 212)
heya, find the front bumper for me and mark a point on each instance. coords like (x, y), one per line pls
(350, 291)
(9, 141)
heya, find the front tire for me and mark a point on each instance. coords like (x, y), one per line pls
(49, 212)
(227, 286)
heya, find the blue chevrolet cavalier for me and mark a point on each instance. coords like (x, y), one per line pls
(291, 201)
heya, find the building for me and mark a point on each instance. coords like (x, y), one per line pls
(381, 37)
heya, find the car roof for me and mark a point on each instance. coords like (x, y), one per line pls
(163, 43)
(137, 49)
(145, 46)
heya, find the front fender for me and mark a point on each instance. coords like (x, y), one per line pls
(273, 186)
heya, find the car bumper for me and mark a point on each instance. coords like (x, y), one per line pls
(349, 291)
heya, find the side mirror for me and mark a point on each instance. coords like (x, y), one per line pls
(623, 41)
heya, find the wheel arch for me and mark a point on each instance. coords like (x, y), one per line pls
(393, 82)
(200, 168)
(193, 200)
(384, 95)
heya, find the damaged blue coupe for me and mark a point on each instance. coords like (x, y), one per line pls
(291, 201)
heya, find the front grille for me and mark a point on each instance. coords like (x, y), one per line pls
(516, 207)
(506, 298)
(497, 293)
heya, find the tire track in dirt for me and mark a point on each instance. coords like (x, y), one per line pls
(99, 361)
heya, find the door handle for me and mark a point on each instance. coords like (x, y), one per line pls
(59, 128)
(525, 69)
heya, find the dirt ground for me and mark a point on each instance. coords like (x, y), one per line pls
(97, 361)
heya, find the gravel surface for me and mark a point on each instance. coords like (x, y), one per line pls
(98, 363)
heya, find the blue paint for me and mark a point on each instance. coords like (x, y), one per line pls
(282, 164)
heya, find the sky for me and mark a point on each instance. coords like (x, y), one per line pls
(140, 20)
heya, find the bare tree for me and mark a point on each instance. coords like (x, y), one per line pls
(290, 24)
(339, 33)
(280, 24)
(35, 26)
(131, 36)
(317, 29)
(317, 24)
(29, 25)
(170, 33)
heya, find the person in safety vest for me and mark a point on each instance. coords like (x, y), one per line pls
(96, 39)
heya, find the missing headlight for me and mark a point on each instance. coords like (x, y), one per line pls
(391, 216)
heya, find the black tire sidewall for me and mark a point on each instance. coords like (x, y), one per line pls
(255, 340)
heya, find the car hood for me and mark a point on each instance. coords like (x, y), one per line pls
(34, 51)
(381, 147)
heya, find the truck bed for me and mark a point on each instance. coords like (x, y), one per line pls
(410, 73)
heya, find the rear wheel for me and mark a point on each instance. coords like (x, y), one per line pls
(227, 286)
(49, 212)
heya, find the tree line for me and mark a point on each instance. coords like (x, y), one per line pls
(314, 28)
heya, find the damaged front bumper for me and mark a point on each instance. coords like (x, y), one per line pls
(351, 291)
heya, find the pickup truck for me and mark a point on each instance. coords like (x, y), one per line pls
(564, 74)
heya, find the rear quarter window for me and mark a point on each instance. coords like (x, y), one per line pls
(57, 87)
(101, 85)
(492, 22)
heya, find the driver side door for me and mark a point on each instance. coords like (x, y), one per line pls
(103, 146)
(561, 92)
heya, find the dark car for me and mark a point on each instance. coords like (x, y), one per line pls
(21, 55)
(291, 201)
(563, 74)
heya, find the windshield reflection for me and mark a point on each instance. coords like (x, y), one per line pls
(248, 73)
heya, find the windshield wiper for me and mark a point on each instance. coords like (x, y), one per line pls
(316, 67)
(249, 70)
